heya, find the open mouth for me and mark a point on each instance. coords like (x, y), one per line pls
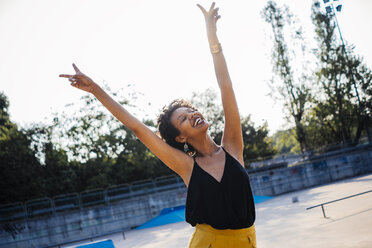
(198, 121)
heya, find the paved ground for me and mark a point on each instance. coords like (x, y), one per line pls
(281, 223)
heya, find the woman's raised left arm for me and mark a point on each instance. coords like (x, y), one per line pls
(232, 138)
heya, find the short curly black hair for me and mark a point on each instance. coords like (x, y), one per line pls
(167, 130)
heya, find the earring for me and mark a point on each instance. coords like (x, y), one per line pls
(185, 147)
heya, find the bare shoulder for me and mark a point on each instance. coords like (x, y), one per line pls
(186, 171)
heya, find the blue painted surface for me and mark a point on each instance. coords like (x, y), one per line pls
(98, 244)
(261, 198)
(177, 214)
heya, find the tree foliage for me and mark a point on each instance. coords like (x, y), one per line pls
(284, 142)
(293, 86)
(341, 74)
(333, 116)
(18, 165)
(108, 153)
(87, 148)
(257, 144)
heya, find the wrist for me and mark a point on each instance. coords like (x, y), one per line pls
(95, 88)
(214, 44)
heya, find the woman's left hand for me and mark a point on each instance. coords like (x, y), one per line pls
(211, 17)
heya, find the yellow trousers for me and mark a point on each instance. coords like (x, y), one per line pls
(206, 236)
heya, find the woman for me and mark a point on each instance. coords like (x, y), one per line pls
(219, 198)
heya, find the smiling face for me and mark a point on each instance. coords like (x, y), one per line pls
(189, 122)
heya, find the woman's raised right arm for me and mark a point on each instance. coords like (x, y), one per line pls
(175, 159)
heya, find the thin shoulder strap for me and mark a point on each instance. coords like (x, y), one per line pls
(194, 157)
(224, 150)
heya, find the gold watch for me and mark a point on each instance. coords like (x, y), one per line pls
(216, 48)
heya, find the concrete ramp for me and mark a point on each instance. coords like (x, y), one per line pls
(166, 216)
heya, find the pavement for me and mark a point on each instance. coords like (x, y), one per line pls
(282, 223)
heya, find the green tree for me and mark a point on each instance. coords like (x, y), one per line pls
(58, 176)
(20, 169)
(339, 75)
(294, 82)
(89, 132)
(284, 141)
(257, 144)
(104, 151)
(5, 123)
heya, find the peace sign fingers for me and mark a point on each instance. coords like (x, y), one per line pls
(212, 7)
(202, 9)
(211, 17)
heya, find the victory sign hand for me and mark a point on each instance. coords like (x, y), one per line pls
(211, 17)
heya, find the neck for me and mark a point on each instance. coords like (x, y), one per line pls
(205, 146)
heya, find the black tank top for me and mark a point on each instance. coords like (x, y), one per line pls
(223, 205)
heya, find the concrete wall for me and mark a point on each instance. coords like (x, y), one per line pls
(319, 170)
(62, 227)
(58, 228)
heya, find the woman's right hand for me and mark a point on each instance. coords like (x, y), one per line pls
(211, 17)
(80, 80)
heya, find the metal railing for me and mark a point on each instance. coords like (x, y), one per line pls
(340, 199)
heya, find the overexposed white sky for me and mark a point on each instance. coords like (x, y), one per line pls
(159, 46)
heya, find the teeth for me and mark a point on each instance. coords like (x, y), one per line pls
(197, 122)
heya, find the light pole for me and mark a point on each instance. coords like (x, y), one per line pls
(332, 11)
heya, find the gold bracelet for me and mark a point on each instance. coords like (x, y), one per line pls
(216, 48)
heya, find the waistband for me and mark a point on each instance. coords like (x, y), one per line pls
(228, 232)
